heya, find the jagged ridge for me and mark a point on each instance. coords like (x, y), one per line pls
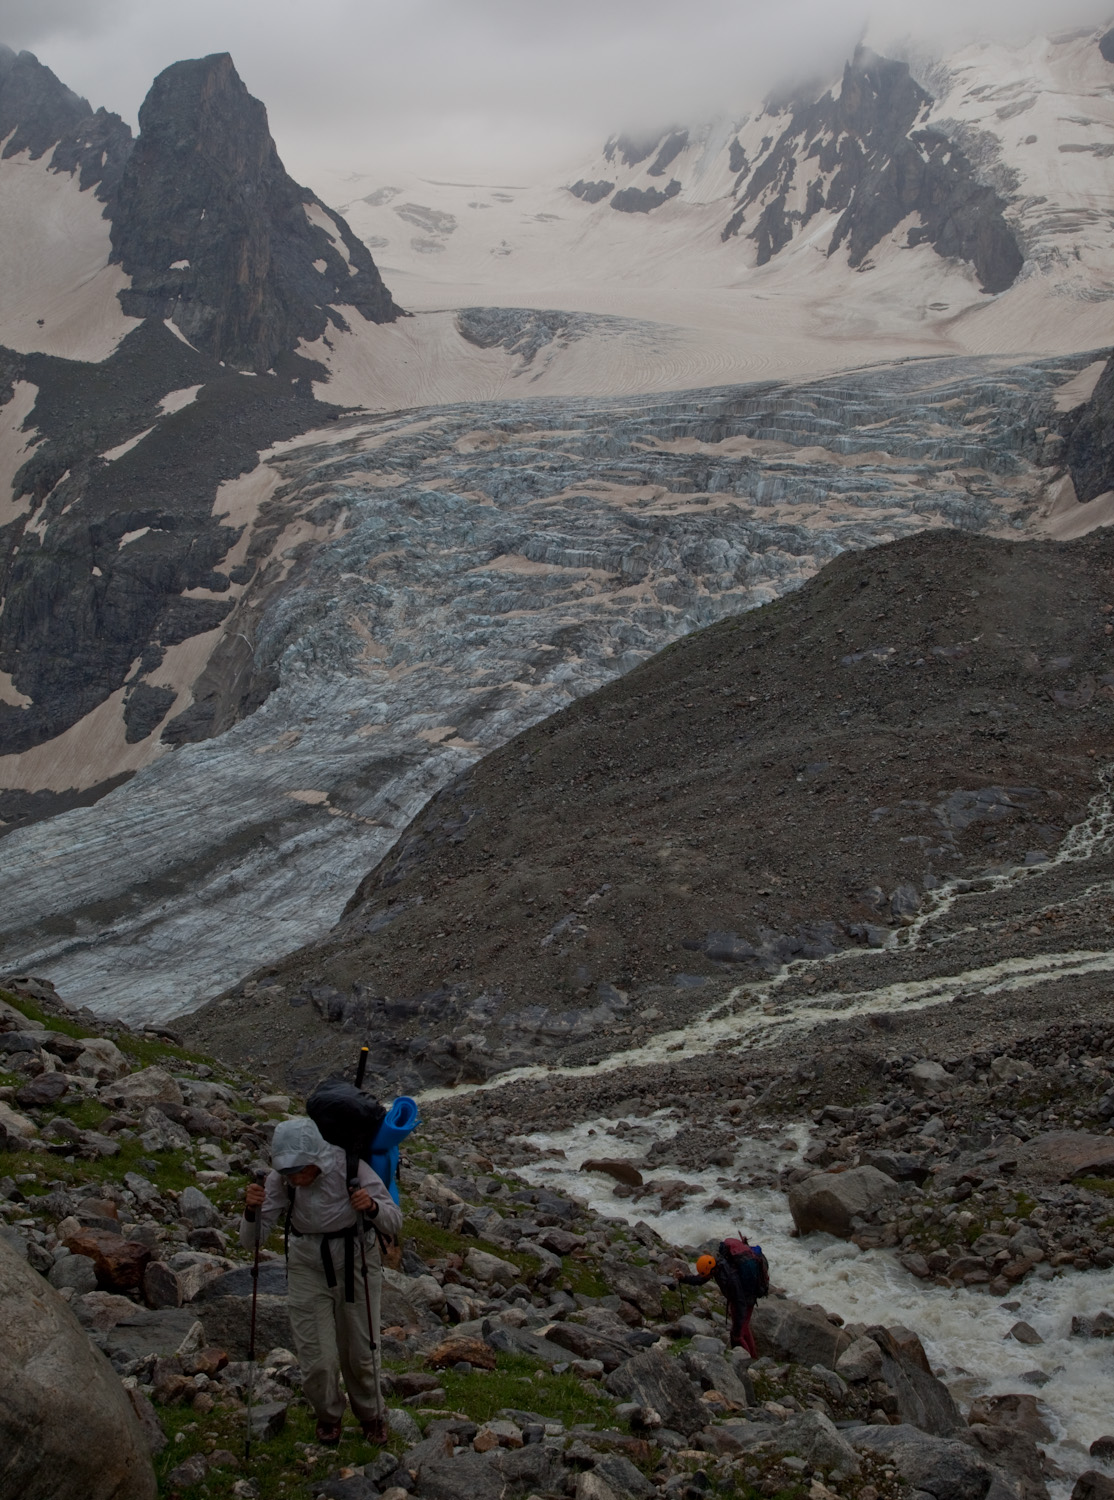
(38, 111)
(874, 168)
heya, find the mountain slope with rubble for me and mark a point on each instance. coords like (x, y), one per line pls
(798, 783)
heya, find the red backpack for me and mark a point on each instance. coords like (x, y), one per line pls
(747, 1268)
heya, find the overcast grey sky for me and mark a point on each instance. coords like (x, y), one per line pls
(489, 89)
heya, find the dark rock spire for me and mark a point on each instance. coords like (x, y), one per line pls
(215, 235)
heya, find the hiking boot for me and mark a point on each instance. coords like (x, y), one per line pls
(375, 1430)
(328, 1433)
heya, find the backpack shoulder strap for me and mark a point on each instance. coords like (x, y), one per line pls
(286, 1221)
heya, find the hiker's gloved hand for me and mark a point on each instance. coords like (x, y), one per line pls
(255, 1195)
(362, 1201)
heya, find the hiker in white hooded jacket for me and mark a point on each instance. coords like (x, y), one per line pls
(326, 1296)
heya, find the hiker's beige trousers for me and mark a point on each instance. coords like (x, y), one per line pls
(330, 1335)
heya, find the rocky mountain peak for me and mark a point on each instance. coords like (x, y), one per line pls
(870, 156)
(38, 111)
(35, 104)
(879, 99)
(216, 235)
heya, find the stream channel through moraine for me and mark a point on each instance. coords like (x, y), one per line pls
(965, 1331)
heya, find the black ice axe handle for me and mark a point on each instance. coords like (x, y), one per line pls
(361, 1066)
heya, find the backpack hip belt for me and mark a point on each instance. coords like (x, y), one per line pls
(349, 1237)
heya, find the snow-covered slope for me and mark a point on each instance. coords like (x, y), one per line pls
(58, 292)
(956, 206)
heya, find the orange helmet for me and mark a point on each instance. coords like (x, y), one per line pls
(705, 1265)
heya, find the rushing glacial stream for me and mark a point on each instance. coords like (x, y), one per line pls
(928, 963)
(964, 1332)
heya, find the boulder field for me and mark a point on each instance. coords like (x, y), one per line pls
(531, 1345)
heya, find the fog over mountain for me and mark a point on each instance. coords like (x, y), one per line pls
(491, 86)
(575, 544)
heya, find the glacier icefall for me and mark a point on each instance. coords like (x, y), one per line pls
(482, 566)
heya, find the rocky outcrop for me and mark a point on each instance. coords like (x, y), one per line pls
(68, 1430)
(1090, 440)
(633, 200)
(862, 156)
(218, 238)
(631, 149)
(591, 192)
(674, 143)
(112, 554)
(97, 593)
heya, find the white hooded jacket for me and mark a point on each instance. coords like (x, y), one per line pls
(323, 1206)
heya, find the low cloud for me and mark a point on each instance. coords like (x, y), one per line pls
(496, 88)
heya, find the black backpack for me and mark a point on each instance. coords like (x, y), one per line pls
(747, 1270)
(346, 1118)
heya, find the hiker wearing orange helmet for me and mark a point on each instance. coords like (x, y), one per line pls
(742, 1274)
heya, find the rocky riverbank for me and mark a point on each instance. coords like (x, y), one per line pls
(531, 1345)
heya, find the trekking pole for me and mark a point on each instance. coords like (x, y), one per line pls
(361, 1223)
(379, 1413)
(255, 1214)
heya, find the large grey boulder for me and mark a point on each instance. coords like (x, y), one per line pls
(485, 1267)
(654, 1379)
(1015, 1454)
(159, 1133)
(638, 1284)
(227, 1323)
(196, 1209)
(927, 1077)
(67, 1428)
(138, 1090)
(829, 1201)
(498, 1475)
(922, 1400)
(589, 1343)
(522, 1341)
(76, 1271)
(861, 1361)
(714, 1373)
(147, 1330)
(813, 1436)
(622, 1478)
(942, 1467)
(785, 1329)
